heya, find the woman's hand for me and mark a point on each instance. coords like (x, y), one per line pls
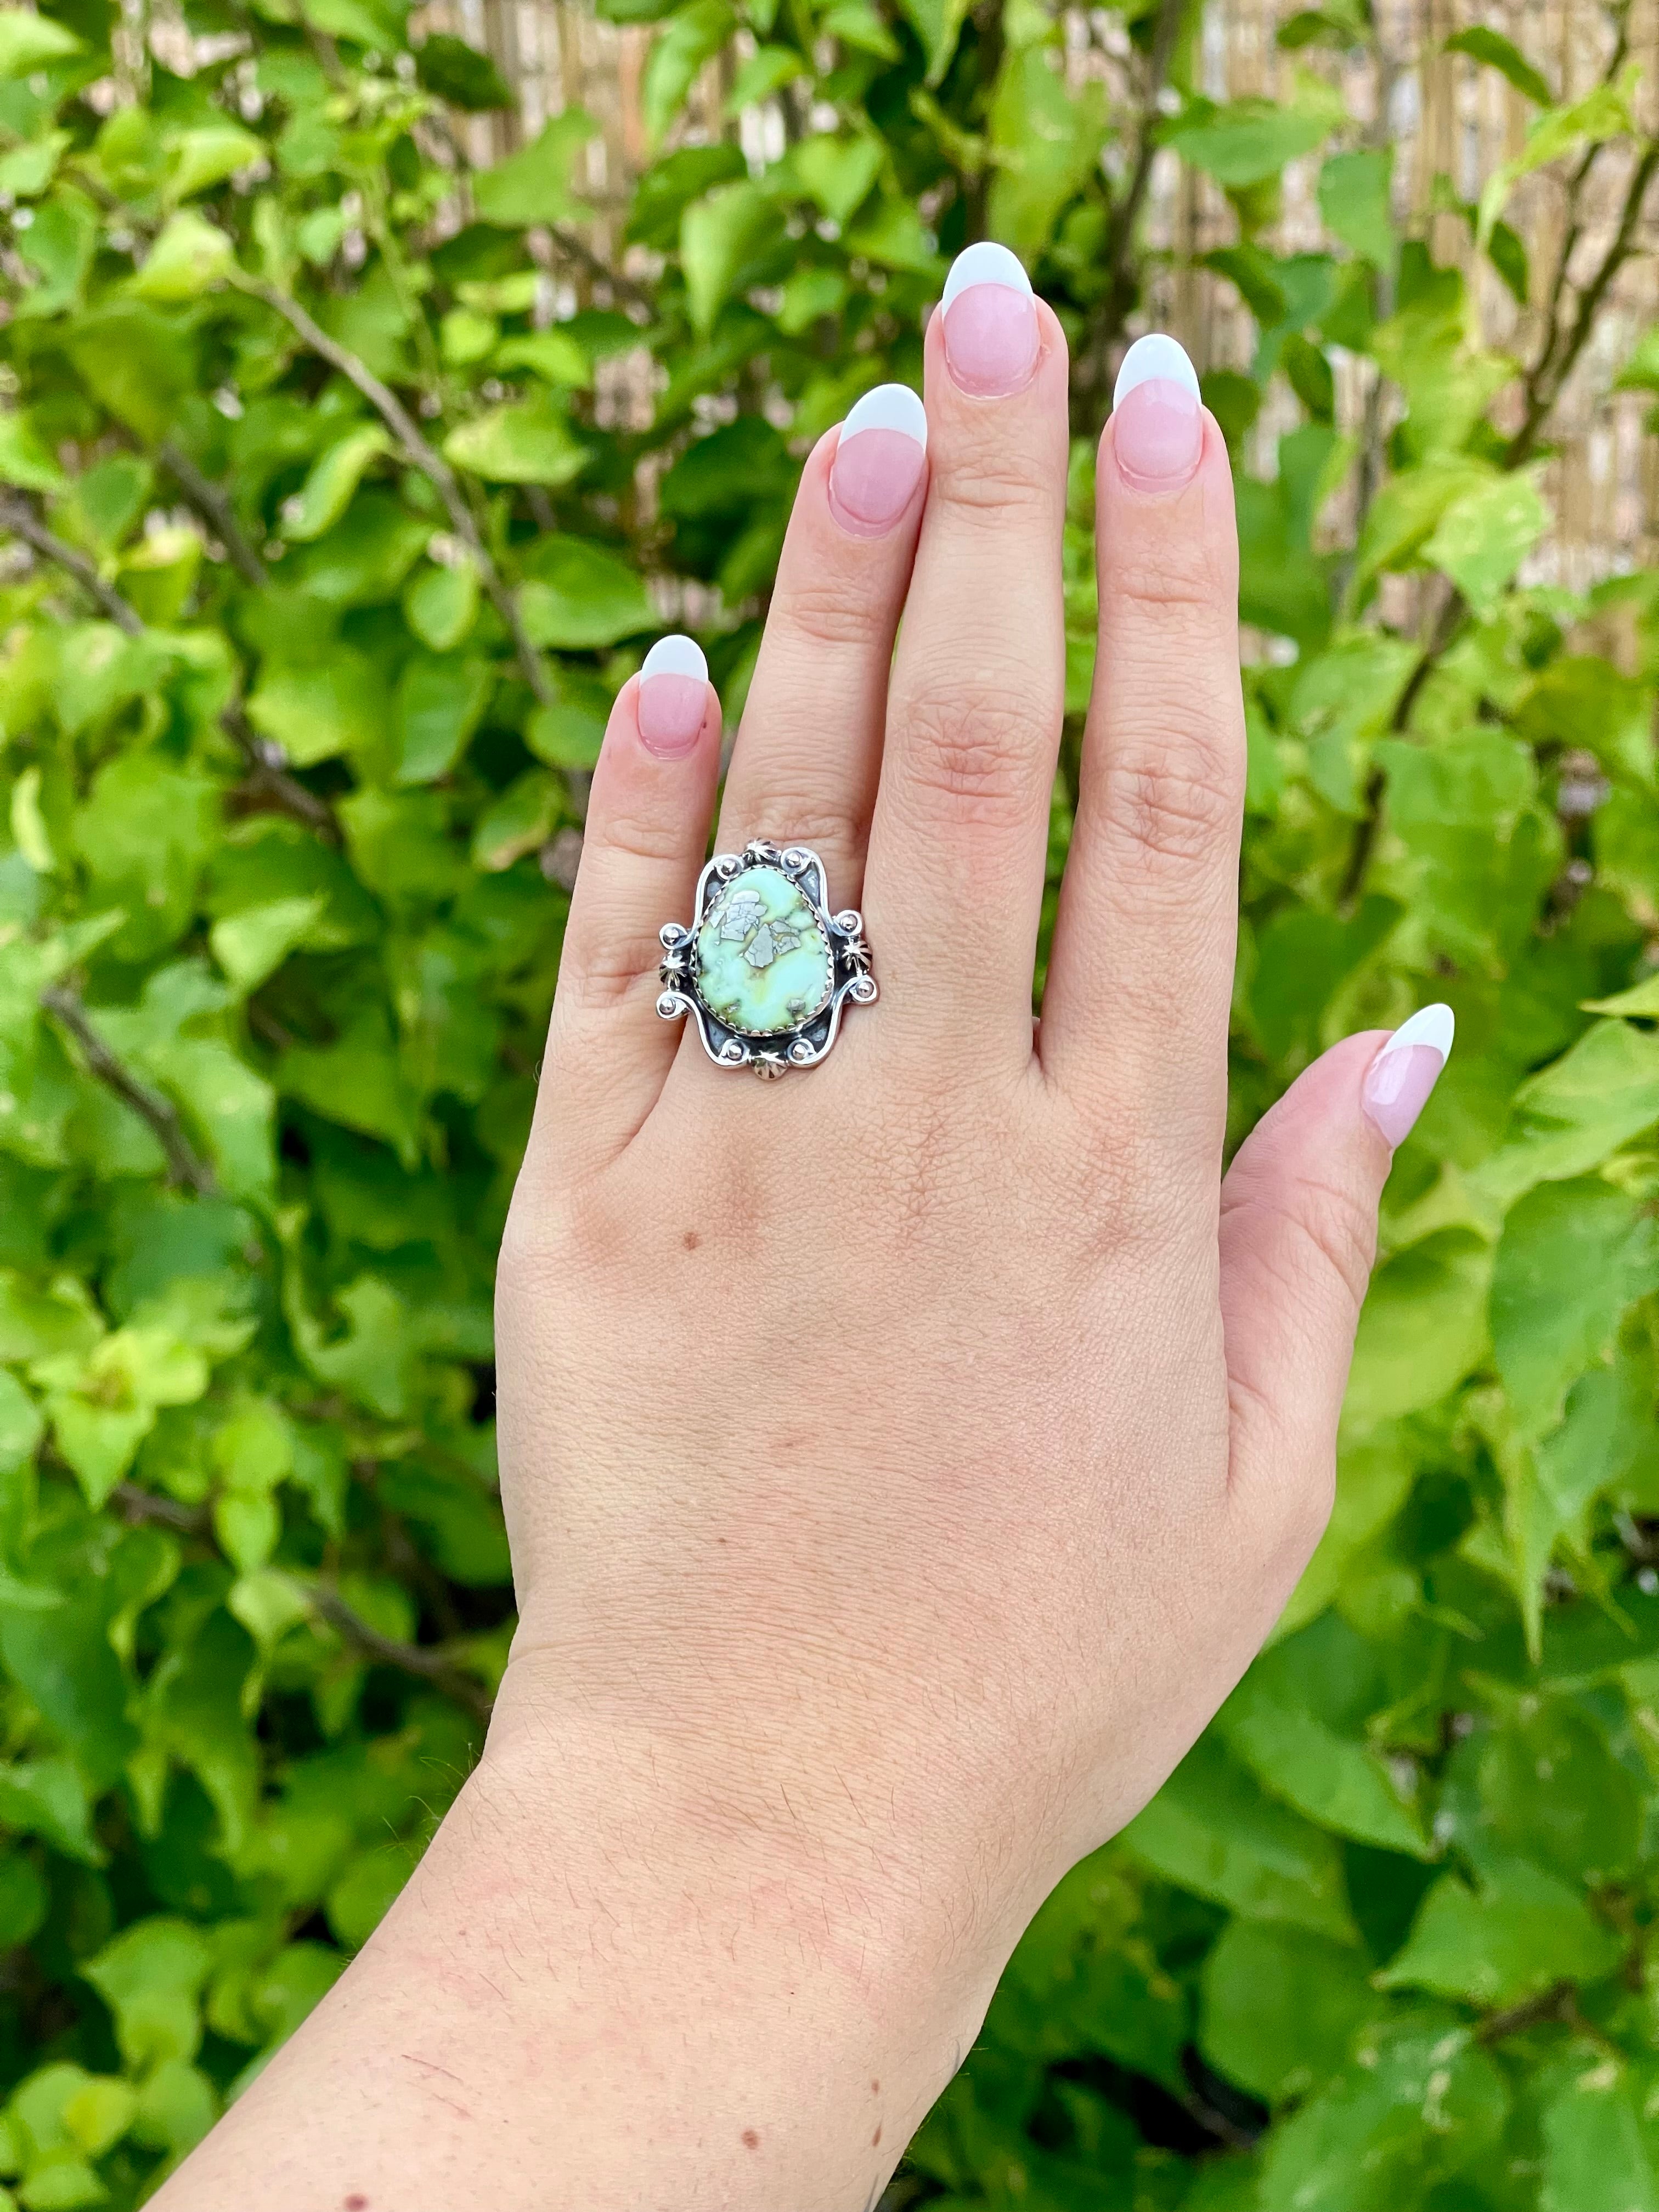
(901, 1461)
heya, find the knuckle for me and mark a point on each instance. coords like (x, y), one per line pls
(826, 824)
(981, 756)
(1337, 1230)
(828, 606)
(607, 969)
(1176, 804)
(640, 836)
(998, 489)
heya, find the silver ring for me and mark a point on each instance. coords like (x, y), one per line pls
(764, 969)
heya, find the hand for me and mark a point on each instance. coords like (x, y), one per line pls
(903, 1460)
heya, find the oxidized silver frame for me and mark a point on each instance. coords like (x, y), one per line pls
(776, 1053)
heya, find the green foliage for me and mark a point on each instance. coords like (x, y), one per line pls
(295, 704)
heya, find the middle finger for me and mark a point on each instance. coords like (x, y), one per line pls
(960, 825)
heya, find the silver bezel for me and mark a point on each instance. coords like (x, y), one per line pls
(777, 1052)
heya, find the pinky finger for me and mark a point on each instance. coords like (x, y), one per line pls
(648, 817)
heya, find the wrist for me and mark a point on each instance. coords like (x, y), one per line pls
(789, 2006)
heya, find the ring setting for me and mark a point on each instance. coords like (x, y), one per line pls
(764, 968)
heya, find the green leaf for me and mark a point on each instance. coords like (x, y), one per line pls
(1483, 535)
(521, 820)
(765, 73)
(528, 442)
(49, 1798)
(199, 159)
(1047, 141)
(1418, 2102)
(458, 73)
(440, 604)
(1603, 114)
(24, 460)
(1519, 1932)
(724, 240)
(839, 172)
(1576, 1112)
(582, 596)
(1246, 141)
(1572, 1257)
(441, 701)
(1280, 2005)
(30, 42)
(1335, 1780)
(327, 491)
(533, 185)
(190, 256)
(566, 734)
(1423, 1328)
(1597, 2156)
(151, 1976)
(338, 706)
(693, 34)
(1356, 203)
(1500, 53)
(1211, 1830)
(938, 24)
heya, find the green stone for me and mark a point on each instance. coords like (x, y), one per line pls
(762, 960)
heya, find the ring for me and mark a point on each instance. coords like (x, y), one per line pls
(764, 968)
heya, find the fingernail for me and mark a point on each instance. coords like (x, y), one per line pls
(990, 322)
(878, 458)
(673, 696)
(1158, 420)
(1399, 1080)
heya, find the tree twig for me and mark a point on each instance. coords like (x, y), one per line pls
(20, 518)
(215, 509)
(431, 464)
(1555, 364)
(417, 1659)
(185, 1165)
(1113, 310)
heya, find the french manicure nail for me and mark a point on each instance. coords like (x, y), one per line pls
(673, 696)
(990, 322)
(1158, 421)
(1399, 1080)
(878, 458)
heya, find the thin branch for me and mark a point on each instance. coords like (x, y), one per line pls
(417, 1659)
(137, 1505)
(269, 785)
(1113, 310)
(566, 243)
(185, 1165)
(215, 509)
(432, 466)
(1555, 365)
(1558, 2002)
(20, 518)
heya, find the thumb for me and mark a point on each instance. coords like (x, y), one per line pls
(1298, 1234)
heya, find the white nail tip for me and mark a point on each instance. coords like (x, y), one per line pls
(1158, 358)
(889, 407)
(675, 656)
(985, 264)
(1433, 1026)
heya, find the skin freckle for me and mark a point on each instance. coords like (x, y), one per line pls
(751, 2140)
(876, 2138)
(355, 2203)
(691, 1240)
(875, 2088)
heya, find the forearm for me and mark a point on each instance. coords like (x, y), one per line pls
(577, 2000)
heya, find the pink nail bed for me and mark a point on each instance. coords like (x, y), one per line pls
(672, 697)
(1399, 1080)
(878, 460)
(1157, 417)
(991, 341)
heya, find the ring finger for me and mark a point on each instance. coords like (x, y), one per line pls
(804, 766)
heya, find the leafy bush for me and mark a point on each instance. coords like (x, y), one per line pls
(332, 503)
